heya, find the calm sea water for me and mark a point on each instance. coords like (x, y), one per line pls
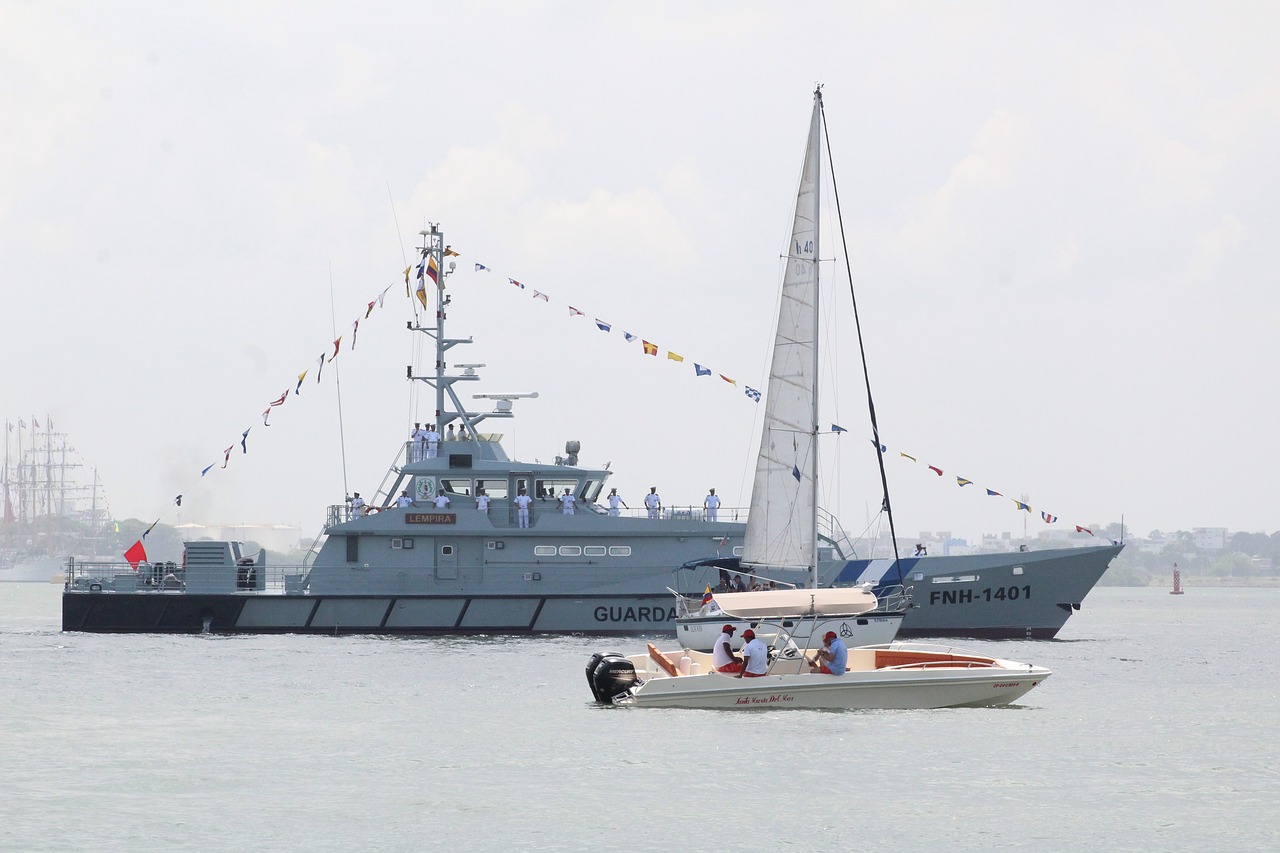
(1159, 730)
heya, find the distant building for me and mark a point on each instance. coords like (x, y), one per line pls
(1209, 538)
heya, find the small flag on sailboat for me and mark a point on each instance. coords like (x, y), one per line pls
(650, 349)
(603, 326)
(178, 500)
(838, 428)
(753, 393)
(699, 370)
(795, 472)
(151, 528)
(482, 268)
(244, 438)
(1048, 519)
(706, 596)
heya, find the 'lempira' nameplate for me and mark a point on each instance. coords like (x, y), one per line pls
(430, 518)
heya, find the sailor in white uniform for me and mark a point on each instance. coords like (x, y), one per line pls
(711, 504)
(482, 501)
(433, 441)
(419, 438)
(357, 505)
(522, 504)
(404, 500)
(567, 500)
(614, 501)
(653, 502)
(442, 500)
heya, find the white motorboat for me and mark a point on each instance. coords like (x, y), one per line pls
(889, 676)
(855, 614)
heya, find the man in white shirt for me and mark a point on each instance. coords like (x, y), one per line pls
(722, 656)
(442, 500)
(522, 508)
(404, 500)
(653, 502)
(711, 504)
(567, 501)
(482, 501)
(357, 505)
(614, 502)
(755, 657)
(418, 437)
(433, 441)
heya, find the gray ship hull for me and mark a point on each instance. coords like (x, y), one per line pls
(1025, 595)
(993, 596)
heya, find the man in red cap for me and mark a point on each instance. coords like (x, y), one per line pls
(755, 657)
(722, 656)
(832, 658)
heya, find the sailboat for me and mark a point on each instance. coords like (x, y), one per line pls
(783, 526)
(782, 535)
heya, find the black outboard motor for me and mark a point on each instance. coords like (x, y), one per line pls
(608, 674)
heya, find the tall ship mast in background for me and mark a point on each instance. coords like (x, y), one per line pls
(54, 506)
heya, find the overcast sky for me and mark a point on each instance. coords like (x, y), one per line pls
(1061, 222)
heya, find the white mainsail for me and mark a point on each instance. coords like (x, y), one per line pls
(782, 527)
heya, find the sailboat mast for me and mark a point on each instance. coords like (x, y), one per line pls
(815, 143)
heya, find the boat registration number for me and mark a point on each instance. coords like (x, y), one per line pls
(969, 596)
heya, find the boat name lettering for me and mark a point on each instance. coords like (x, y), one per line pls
(969, 596)
(1007, 684)
(764, 700)
(430, 518)
(635, 614)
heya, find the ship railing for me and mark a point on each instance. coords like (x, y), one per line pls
(108, 576)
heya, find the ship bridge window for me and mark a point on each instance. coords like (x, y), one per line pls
(495, 489)
(544, 550)
(553, 489)
(591, 490)
(619, 550)
(456, 485)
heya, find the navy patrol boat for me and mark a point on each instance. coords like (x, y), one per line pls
(420, 570)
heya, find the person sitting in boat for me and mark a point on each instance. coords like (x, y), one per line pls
(832, 658)
(737, 584)
(722, 656)
(442, 500)
(755, 657)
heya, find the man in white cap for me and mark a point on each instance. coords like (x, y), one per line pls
(711, 504)
(433, 441)
(404, 500)
(357, 505)
(418, 438)
(653, 502)
(567, 501)
(615, 500)
(522, 508)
